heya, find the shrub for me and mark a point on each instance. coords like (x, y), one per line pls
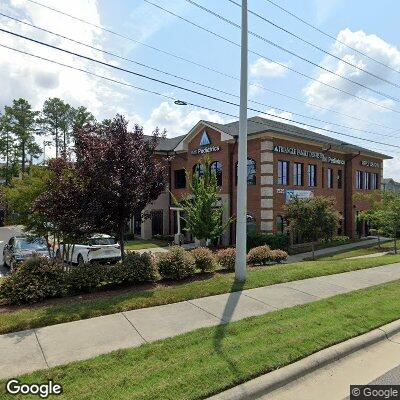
(176, 263)
(226, 258)
(87, 277)
(204, 259)
(278, 256)
(35, 279)
(259, 255)
(273, 240)
(340, 239)
(136, 267)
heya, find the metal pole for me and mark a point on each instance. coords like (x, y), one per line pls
(241, 214)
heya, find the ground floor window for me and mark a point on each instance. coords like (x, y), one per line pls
(157, 222)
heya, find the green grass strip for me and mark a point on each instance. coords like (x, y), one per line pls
(35, 317)
(204, 362)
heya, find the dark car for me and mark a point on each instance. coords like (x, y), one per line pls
(19, 248)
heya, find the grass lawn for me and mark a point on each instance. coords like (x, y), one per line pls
(38, 316)
(340, 255)
(204, 362)
(139, 244)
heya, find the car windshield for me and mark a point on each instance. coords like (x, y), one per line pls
(101, 241)
(35, 244)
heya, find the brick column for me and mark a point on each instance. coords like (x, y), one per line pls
(267, 181)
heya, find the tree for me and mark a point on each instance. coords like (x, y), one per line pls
(8, 149)
(81, 117)
(384, 213)
(56, 120)
(313, 219)
(121, 172)
(203, 214)
(22, 122)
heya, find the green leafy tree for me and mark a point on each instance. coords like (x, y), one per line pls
(313, 219)
(384, 214)
(23, 123)
(81, 116)
(203, 213)
(8, 149)
(57, 119)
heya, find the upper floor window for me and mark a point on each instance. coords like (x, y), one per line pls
(198, 170)
(375, 181)
(180, 179)
(298, 174)
(330, 178)
(359, 180)
(216, 167)
(339, 179)
(251, 172)
(283, 173)
(312, 175)
(367, 179)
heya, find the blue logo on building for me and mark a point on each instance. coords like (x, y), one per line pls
(205, 140)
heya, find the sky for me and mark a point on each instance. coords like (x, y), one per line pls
(370, 27)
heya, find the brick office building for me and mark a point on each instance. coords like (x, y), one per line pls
(283, 161)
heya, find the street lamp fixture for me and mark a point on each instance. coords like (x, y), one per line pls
(180, 103)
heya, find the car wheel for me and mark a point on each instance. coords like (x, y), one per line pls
(80, 260)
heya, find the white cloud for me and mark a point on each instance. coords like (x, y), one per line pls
(374, 47)
(264, 68)
(276, 115)
(177, 120)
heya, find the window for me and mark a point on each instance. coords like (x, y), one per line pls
(180, 179)
(198, 169)
(312, 175)
(330, 178)
(251, 172)
(281, 224)
(298, 174)
(283, 173)
(216, 167)
(339, 179)
(359, 180)
(367, 178)
(375, 181)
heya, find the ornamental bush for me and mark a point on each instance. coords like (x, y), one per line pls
(36, 279)
(136, 267)
(204, 259)
(87, 277)
(176, 263)
(226, 258)
(273, 240)
(260, 255)
(278, 256)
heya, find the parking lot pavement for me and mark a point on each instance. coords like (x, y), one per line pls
(6, 232)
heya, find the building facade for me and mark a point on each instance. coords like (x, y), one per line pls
(283, 161)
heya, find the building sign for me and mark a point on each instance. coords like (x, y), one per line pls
(366, 163)
(308, 153)
(300, 194)
(205, 150)
(205, 141)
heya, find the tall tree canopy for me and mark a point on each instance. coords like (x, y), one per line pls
(23, 124)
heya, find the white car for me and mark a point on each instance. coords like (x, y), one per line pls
(99, 248)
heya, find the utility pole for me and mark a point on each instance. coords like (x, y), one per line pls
(241, 213)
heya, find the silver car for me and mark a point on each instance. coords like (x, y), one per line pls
(19, 248)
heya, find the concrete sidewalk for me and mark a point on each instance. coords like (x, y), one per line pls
(343, 247)
(30, 350)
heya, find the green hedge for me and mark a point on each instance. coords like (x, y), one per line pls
(272, 240)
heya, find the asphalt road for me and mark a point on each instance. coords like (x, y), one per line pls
(6, 232)
(391, 377)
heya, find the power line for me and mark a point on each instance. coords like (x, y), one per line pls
(284, 49)
(189, 80)
(273, 61)
(275, 25)
(195, 92)
(331, 36)
(223, 73)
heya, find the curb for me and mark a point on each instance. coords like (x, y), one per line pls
(276, 379)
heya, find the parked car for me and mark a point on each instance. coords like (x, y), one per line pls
(19, 248)
(99, 248)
